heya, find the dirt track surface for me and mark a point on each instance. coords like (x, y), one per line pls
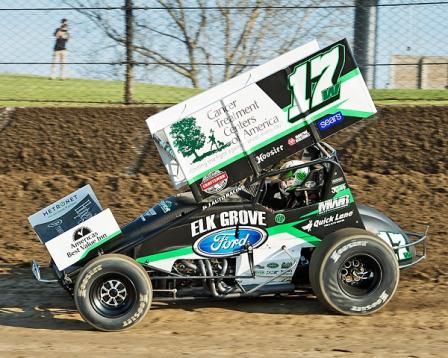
(394, 164)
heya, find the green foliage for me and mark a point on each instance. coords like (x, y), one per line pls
(21, 90)
(32, 91)
(188, 137)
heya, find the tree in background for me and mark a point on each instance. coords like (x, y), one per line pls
(207, 42)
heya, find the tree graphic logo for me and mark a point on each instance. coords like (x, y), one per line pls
(188, 139)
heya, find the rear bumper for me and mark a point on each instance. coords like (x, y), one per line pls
(418, 242)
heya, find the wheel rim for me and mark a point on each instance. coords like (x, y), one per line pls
(113, 294)
(359, 275)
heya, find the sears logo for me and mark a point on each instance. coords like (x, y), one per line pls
(330, 121)
(224, 242)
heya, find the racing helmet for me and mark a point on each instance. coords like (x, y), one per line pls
(292, 179)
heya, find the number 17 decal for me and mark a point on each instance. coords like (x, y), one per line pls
(314, 83)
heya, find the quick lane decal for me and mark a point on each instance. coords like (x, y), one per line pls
(327, 221)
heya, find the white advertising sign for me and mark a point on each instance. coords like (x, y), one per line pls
(74, 244)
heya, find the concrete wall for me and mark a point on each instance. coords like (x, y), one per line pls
(419, 72)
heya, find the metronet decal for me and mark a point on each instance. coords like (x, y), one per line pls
(333, 204)
(228, 218)
(65, 214)
(299, 137)
(261, 157)
(327, 221)
(214, 182)
(330, 121)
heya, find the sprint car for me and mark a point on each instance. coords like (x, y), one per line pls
(231, 234)
(350, 254)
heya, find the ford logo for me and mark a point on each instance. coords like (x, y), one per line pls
(222, 243)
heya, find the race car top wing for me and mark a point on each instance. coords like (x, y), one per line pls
(249, 123)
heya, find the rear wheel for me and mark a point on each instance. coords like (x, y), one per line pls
(354, 272)
(113, 293)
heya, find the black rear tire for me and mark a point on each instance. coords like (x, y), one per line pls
(113, 293)
(354, 272)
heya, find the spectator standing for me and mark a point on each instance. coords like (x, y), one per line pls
(60, 51)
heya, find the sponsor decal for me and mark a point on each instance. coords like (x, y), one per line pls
(74, 244)
(314, 82)
(83, 238)
(298, 138)
(272, 272)
(189, 139)
(214, 182)
(336, 189)
(228, 218)
(81, 232)
(335, 256)
(263, 156)
(148, 213)
(327, 221)
(222, 198)
(166, 205)
(334, 204)
(330, 121)
(286, 265)
(394, 240)
(383, 298)
(272, 265)
(59, 205)
(279, 218)
(308, 226)
(259, 267)
(57, 225)
(337, 180)
(229, 241)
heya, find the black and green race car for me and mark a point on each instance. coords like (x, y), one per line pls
(243, 243)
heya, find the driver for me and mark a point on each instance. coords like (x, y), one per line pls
(284, 194)
(291, 184)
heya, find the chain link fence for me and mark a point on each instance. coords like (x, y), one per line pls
(161, 52)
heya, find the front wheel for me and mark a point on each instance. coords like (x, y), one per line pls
(354, 272)
(113, 293)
